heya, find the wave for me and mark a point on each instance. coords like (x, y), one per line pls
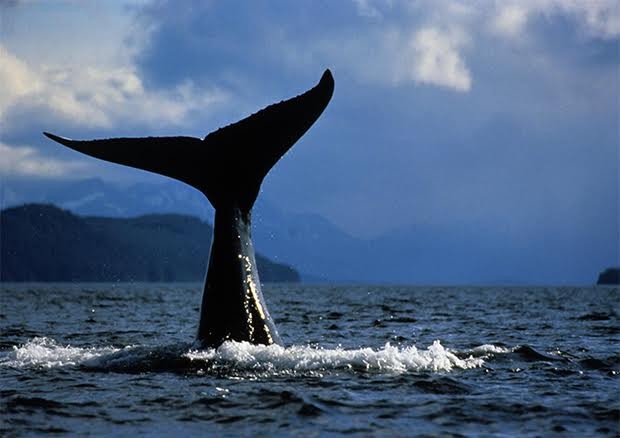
(238, 358)
(486, 349)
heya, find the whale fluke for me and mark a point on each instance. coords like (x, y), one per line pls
(228, 166)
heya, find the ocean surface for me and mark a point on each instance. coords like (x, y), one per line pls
(119, 359)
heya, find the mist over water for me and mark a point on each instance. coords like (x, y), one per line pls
(120, 358)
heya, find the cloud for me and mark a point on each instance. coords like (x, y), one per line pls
(437, 59)
(366, 8)
(16, 80)
(380, 42)
(510, 20)
(394, 57)
(599, 19)
(96, 96)
(26, 161)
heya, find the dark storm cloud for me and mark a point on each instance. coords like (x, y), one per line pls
(536, 127)
(229, 41)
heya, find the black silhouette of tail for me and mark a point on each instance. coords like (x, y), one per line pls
(229, 165)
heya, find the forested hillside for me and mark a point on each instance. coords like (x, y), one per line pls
(44, 243)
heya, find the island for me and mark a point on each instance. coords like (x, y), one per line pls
(609, 276)
(41, 242)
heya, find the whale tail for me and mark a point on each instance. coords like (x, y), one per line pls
(229, 164)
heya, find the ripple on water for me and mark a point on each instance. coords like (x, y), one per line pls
(531, 360)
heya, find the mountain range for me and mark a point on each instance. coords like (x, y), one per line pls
(323, 252)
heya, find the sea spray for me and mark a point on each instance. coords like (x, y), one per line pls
(46, 353)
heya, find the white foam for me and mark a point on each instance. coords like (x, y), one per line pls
(46, 353)
(305, 358)
(490, 349)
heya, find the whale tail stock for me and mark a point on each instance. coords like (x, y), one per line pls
(229, 164)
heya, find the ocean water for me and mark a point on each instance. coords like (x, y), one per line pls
(119, 359)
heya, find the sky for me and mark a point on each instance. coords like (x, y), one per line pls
(500, 116)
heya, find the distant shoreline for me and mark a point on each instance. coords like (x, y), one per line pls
(44, 243)
(609, 277)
